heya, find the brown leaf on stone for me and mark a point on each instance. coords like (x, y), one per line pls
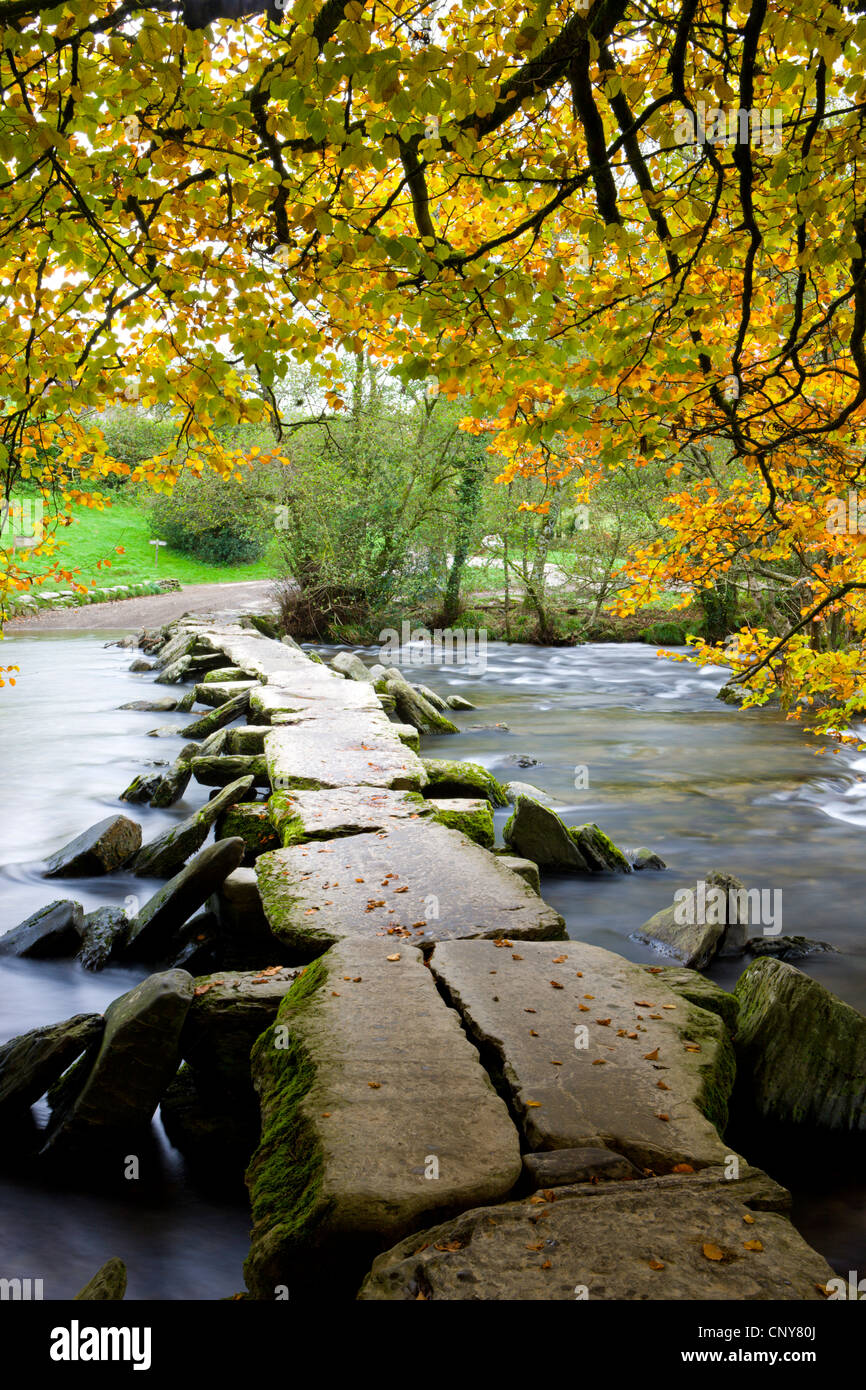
(663, 1086)
(603, 1022)
(651, 1056)
(375, 1085)
(656, 1264)
(752, 1245)
(712, 1252)
(749, 1220)
(557, 960)
(663, 1117)
(556, 985)
(683, 1168)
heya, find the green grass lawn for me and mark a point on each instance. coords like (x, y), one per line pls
(94, 536)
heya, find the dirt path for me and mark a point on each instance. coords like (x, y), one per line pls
(148, 612)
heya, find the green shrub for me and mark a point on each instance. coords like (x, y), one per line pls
(665, 634)
(215, 520)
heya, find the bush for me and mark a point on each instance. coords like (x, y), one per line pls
(215, 520)
(665, 634)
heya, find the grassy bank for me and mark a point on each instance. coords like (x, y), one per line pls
(96, 536)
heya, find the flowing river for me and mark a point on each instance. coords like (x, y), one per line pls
(616, 735)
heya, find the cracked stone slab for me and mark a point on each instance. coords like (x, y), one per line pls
(641, 1080)
(416, 880)
(322, 815)
(294, 695)
(331, 752)
(368, 1086)
(252, 651)
(628, 1241)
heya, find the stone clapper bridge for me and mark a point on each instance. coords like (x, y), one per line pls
(456, 1101)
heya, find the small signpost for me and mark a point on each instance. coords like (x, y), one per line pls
(156, 545)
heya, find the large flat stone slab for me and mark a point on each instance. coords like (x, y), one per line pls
(368, 1086)
(653, 1068)
(617, 1240)
(261, 656)
(304, 691)
(325, 753)
(415, 880)
(322, 815)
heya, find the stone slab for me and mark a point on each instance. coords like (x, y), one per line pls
(629, 1241)
(417, 881)
(375, 1086)
(630, 1083)
(337, 753)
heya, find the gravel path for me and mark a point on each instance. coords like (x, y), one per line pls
(148, 612)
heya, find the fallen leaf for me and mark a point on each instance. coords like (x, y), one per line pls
(603, 1022)
(712, 1252)
(683, 1168)
(557, 960)
(533, 1104)
(375, 1085)
(556, 985)
(532, 1033)
(555, 1064)
(547, 1265)
(749, 1220)
(644, 1004)
(656, 1264)
(651, 1056)
(397, 957)
(663, 1117)
(538, 1246)
(752, 1245)
(599, 1061)
(663, 1086)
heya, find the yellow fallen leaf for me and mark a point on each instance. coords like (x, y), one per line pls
(712, 1252)
(656, 1264)
(752, 1245)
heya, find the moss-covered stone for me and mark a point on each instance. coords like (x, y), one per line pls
(447, 777)
(472, 816)
(701, 991)
(250, 822)
(599, 850)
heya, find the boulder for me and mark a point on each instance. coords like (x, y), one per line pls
(413, 708)
(448, 777)
(98, 850)
(513, 790)
(787, 947)
(245, 938)
(102, 936)
(217, 718)
(150, 932)
(32, 1062)
(458, 702)
(115, 1092)
(801, 1052)
(431, 697)
(173, 784)
(53, 931)
(351, 666)
(250, 822)
(250, 739)
(646, 859)
(535, 832)
(599, 851)
(152, 706)
(139, 666)
(107, 1285)
(220, 771)
(376, 1112)
(696, 927)
(617, 1241)
(166, 854)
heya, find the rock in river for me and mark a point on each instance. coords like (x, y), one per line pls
(98, 850)
(801, 1051)
(151, 931)
(53, 931)
(33, 1062)
(116, 1091)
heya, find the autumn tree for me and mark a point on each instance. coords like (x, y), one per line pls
(624, 229)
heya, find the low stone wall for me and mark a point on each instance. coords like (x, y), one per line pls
(19, 605)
